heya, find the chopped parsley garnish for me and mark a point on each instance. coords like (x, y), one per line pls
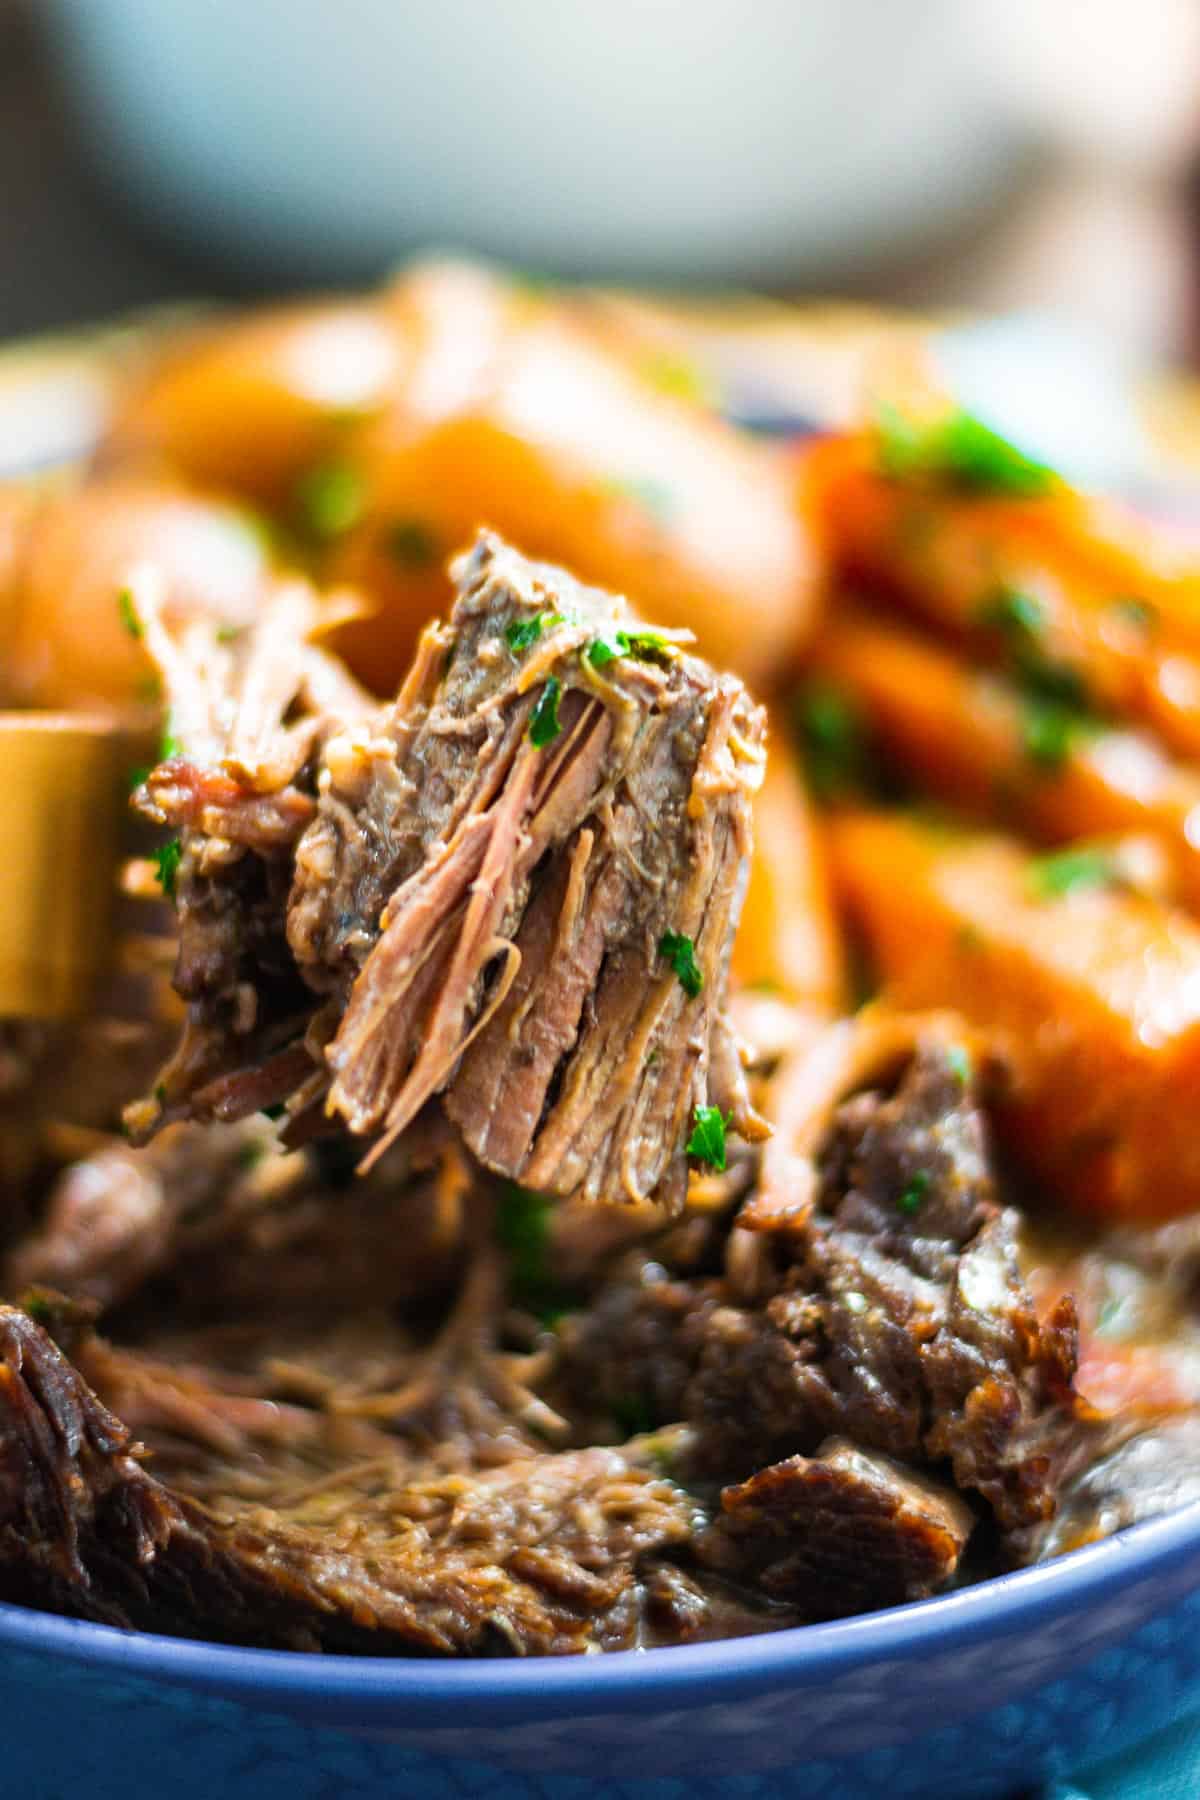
(832, 738)
(1050, 732)
(680, 952)
(643, 646)
(1069, 871)
(166, 861)
(248, 1156)
(149, 689)
(959, 451)
(707, 1142)
(522, 1228)
(648, 646)
(606, 648)
(137, 775)
(632, 1412)
(128, 612)
(169, 746)
(160, 1094)
(1056, 711)
(229, 634)
(912, 1194)
(544, 724)
(38, 1308)
(524, 632)
(1015, 613)
(329, 499)
(958, 1059)
(411, 544)
(653, 496)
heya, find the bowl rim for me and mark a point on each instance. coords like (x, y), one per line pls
(673, 1674)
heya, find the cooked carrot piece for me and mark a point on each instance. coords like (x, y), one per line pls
(1092, 994)
(254, 402)
(969, 737)
(787, 941)
(72, 643)
(1065, 588)
(514, 415)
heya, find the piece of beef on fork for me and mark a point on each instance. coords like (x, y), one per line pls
(514, 887)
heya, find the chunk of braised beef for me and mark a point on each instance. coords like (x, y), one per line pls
(894, 1315)
(210, 1221)
(536, 1557)
(844, 1531)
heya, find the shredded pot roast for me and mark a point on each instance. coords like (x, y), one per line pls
(608, 1189)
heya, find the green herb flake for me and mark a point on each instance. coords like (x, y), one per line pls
(522, 1229)
(38, 1308)
(544, 724)
(160, 1095)
(832, 739)
(149, 689)
(128, 613)
(523, 633)
(274, 1112)
(330, 499)
(900, 444)
(1050, 732)
(633, 1414)
(137, 776)
(411, 543)
(1018, 615)
(607, 648)
(958, 1060)
(1056, 696)
(169, 746)
(649, 646)
(166, 861)
(643, 646)
(1071, 871)
(680, 952)
(912, 1195)
(248, 1156)
(959, 451)
(229, 634)
(707, 1142)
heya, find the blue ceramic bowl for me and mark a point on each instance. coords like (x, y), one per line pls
(1030, 1675)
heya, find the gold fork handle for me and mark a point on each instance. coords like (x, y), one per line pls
(60, 811)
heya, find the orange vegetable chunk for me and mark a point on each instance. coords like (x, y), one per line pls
(1092, 994)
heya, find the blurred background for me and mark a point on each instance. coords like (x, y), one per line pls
(951, 153)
